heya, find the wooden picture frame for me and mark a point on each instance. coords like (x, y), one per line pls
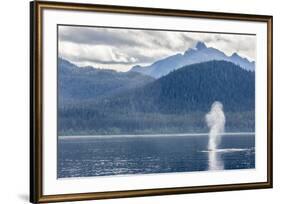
(38, 99)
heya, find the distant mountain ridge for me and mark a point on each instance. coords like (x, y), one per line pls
(76, 84)
(201, 53)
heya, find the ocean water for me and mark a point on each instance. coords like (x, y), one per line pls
(122, 155)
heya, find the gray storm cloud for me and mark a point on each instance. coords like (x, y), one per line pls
(123, 48)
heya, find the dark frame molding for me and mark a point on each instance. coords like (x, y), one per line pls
(36, 101)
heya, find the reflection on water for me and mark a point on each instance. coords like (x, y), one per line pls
(215, 161)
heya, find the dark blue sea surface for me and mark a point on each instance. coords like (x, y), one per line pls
(116, 155)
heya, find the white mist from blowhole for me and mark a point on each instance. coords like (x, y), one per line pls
(215, 120)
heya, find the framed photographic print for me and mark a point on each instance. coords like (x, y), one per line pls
(131, 101)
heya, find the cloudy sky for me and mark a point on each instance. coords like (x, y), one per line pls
(120, 49)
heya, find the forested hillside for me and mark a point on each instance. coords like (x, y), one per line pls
(175, 103)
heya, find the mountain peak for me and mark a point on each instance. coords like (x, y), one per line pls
(136, 67)
(189, 51)
(200, 45)
(235, 54)
(199, 53)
